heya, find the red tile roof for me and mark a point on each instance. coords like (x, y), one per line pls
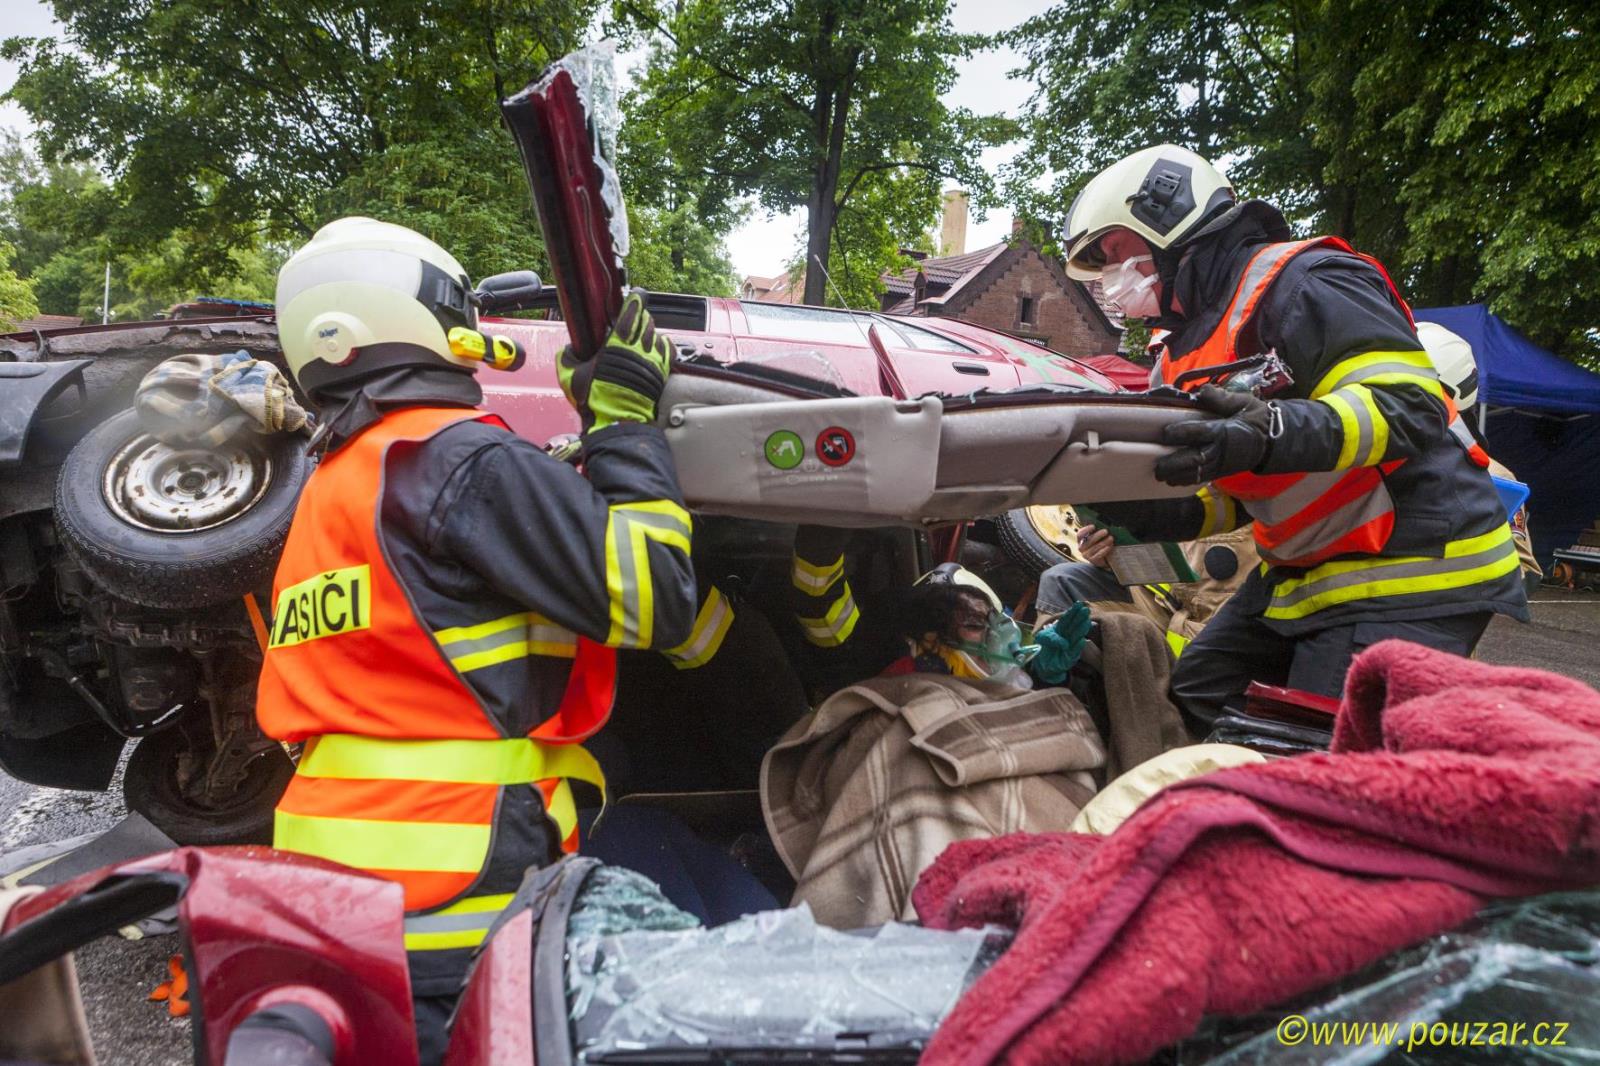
(944, 270)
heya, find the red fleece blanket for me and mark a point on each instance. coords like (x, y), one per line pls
(1449, 781)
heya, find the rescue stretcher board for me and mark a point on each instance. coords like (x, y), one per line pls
(875, 461)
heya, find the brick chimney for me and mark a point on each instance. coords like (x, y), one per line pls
(953, 228)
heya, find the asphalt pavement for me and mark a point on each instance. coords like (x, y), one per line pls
(117, 975)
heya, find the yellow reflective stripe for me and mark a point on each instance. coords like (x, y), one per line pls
(1350, 426)
(1176, 642)
(1380, 425)
(463, 924)
(1465, 562)
(1366, 430)
(520, 649)
(835, 627)
(629, 530)
(1431, 386)
(490, 628)
(370, 844)
(515, 636)
(1213, 512)
(814, 580)
(460, 938)
(705, 639)
(1221, 512)
(563, 809)
(514, 761)
(1469, 546)
(1361, 368)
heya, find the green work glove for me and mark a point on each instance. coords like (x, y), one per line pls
(623, 382)
(1061, 645)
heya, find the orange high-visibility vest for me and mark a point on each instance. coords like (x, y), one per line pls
(403, 767)
(1302, 519)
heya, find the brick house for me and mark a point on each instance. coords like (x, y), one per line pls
(782, 289)
(1009, 286)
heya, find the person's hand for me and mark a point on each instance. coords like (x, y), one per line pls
(1233, 444)
(1096, 544)
(623, 382)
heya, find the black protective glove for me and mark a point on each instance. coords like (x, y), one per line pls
(624, 380)
(1238, 442)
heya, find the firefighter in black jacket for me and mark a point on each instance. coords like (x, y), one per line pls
(1372, 508)
(450, 599)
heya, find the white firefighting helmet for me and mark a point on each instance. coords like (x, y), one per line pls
(1164, 194)
(363, 296)
(1452, 358)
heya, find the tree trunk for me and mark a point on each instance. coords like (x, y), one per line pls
(819, 231)
(823, 208)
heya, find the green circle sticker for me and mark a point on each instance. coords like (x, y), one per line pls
(785, 449)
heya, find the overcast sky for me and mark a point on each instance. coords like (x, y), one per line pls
(762, 245)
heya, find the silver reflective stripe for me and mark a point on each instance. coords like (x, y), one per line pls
(1459, 430)
(1254, 274)
(1320, 534)
(1277, 509)
(710, 626)
(1398, 570)
(512, 637)
(629, 524)
(450, 923)
(1364, 428)
(1361, 374)
(824, 632)
(812, 579)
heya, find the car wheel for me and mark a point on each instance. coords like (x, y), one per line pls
(178, 527)
(152, 785)
(1039, 537)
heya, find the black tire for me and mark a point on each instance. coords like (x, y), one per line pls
(176, 568)
(150, 787)
(1026, 546)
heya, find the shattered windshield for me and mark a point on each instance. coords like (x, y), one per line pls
(1525, 961)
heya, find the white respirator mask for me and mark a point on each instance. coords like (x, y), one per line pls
(1134, 293)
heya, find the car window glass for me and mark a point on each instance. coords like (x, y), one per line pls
(924, 339)
(793, 322)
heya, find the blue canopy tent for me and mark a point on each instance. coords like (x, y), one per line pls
(1543, 422)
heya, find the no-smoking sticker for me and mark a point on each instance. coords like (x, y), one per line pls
(836, 446)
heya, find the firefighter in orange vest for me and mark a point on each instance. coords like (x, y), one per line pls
(1371, 506)
(450, 599)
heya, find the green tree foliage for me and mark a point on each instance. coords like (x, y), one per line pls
(16, 294)
(804, 101)
(463, 188)
(1111, 78)
(44, 208)
(674, 251)
(1454, 141)
(891, 210)
(677, 213)
(225, 124)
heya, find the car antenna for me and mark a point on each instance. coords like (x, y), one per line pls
(888, 377)
(815, 258)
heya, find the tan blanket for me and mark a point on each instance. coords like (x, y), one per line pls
(1136, 666)
(863, 794)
